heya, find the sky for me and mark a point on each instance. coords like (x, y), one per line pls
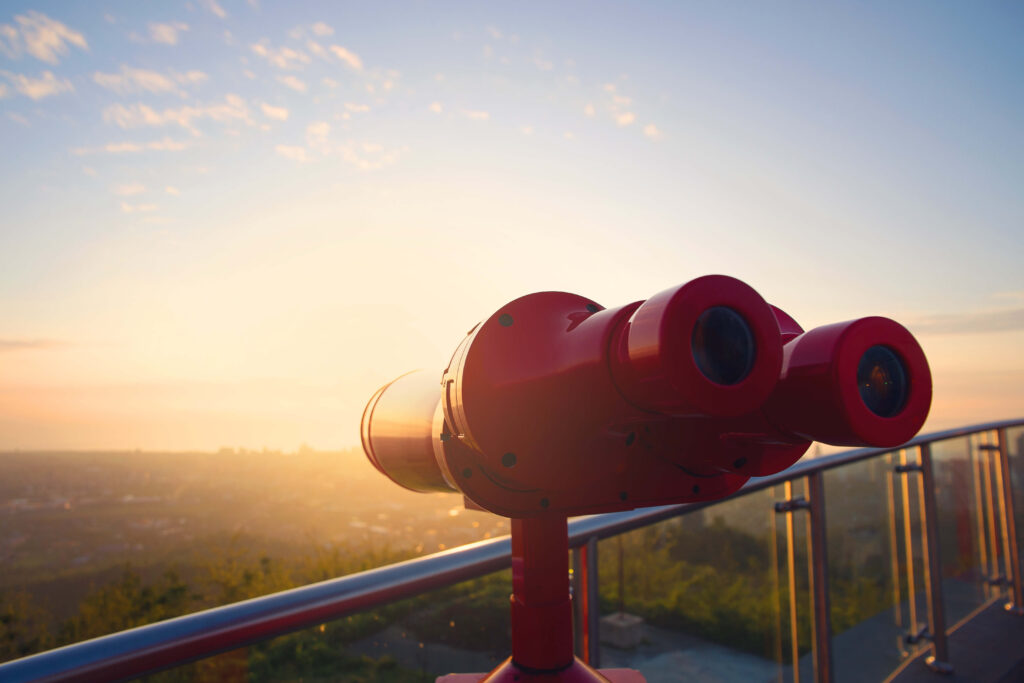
(226, 223)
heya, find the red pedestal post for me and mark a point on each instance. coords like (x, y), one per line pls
(542, 613)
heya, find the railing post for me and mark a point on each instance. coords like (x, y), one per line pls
(586, 609)
(939, 661)
(817, 552)
(913, 634)
(1016, 603)
(593, 605)
(578, 604)
(820, 605)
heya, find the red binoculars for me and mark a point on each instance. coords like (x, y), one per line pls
(555, 405)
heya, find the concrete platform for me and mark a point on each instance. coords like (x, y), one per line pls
(987, 647)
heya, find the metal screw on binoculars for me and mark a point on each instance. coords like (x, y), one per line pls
(556, 406)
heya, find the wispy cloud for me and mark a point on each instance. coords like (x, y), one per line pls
(292, 152)
(317, 49)
(164, 145)
(626, 118)
(8, 345)
(138, 208)
(38, 88)
(436, 107)
(979, 322)
(166, 33)
(214, 8)
(171, 190)
(652, 131)
(296, 84)
(232, 110)
(589, 110)
(44, 38)
(366, 156)
(281, 57)
(18, 118)
(322, 29)
(358, 108)
(128, 189)
(316, 136)
(541, 63)
(131, 80)
(369, 156)
(276, 113)
(348, 57)
(476, 115)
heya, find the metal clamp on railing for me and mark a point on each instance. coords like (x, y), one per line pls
(797, 503)
(922, 634)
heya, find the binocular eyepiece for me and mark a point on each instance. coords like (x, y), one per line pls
(556, 405)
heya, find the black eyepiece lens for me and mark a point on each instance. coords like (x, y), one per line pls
(882, 379)
(723, 345)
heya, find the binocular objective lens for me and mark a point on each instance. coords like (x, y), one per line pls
(723, 345)
(882, 379)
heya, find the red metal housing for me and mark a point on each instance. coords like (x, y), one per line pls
(556, 406)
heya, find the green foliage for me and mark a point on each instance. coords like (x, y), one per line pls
(23, 626)
(473, 615)
(857, 598)
(304, 657)
(127, 603)
(710, 582)
(713, 581)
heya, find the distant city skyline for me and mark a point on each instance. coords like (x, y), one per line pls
(228, 222)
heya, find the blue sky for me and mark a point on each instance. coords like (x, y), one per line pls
(228, 222)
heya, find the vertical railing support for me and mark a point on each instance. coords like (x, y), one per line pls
(905, 467)
(817, 552)
(820, 605)
(578, 604)
(939, 660)
(987, 455)
(1016, 603)
(787, 508)
(586, 610)
(593, 605)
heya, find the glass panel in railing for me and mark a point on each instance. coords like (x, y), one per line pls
(961, 470)
(695, 596)
(986, 445)
(1015, 449)
(792, 579)
(876, 587)
(459, 629)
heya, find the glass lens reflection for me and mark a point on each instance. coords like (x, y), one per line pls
(723, 346)
(882, 380)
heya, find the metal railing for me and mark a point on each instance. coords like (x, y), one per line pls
(181, 640)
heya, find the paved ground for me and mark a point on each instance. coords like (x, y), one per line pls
(987, 649)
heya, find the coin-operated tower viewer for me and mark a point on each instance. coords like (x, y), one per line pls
(556, 406)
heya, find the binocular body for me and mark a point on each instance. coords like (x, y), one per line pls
(555, 405)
